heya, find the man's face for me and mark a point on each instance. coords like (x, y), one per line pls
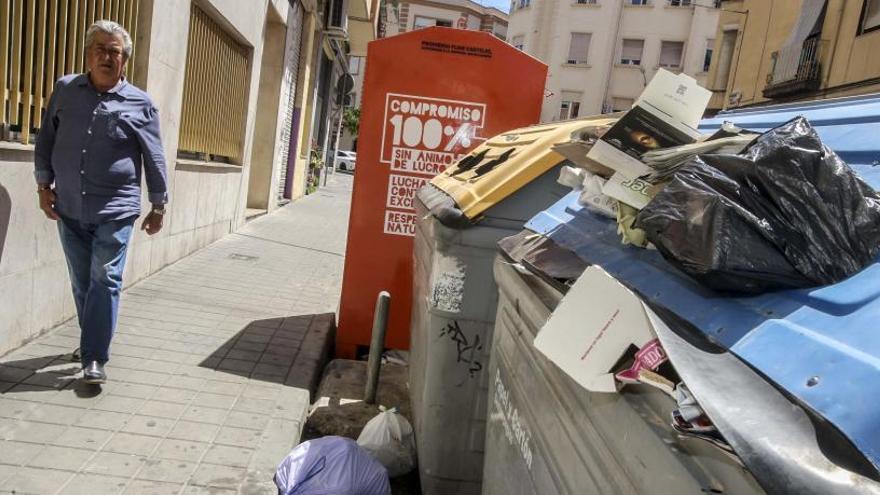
(105, 60)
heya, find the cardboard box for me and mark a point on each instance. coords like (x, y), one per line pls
(665, 115)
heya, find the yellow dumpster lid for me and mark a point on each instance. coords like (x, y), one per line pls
(507, 162)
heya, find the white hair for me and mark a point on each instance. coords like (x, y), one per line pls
(109, 27)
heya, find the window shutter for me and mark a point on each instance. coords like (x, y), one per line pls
(670, 53)
(632, 50)
(579, 48)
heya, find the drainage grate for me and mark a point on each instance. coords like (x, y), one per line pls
(243, 257)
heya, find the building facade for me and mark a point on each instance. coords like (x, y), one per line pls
(237, 86)
(462, 14)
(773, 51)
(602, 53)
(401, 17)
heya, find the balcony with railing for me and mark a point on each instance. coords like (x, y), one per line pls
(796, 69)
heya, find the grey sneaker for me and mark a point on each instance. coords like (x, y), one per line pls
(94, 373)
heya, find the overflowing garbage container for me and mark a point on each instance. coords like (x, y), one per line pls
(547, 434)
(778, 383)
(461, 215)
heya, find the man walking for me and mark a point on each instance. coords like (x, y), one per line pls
(99, 135)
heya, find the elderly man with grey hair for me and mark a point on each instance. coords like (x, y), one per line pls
(100, 134)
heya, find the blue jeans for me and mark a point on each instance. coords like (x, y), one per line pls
(95, 259)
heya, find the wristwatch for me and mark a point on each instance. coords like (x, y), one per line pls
(44, 187)
(158, 210)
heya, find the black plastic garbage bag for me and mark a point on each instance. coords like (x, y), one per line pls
(787, 212)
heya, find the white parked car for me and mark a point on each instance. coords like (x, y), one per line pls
(345, 160)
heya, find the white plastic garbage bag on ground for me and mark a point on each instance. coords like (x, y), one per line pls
(331, 466)
(389, 438)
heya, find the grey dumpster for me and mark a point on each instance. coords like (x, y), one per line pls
(460, 218)
(547, 435)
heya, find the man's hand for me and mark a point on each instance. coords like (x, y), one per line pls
(153, 223)
(47, 203)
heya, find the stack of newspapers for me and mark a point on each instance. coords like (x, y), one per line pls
(666, 161)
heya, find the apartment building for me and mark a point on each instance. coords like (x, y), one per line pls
(401, 17)
(462, 14)
(602, 53)
(772, 51)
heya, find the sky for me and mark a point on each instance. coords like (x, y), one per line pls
(501, 5)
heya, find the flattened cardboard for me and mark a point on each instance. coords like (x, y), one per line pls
(592, 328)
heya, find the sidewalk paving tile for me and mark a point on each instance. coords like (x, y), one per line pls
(142, 487)
(197, 432)
(17, 453)
(29, 431)
(63, 458)
(181, 450)
(148, 425)
(104, 420)
(112, 463)
(166, 470)
(130, 443)
(161, 409)
(36, 481)
(201, 414)
(93, 484)
(82, 438)
(196, 400)
(212, 475)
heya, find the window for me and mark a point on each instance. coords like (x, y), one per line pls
(725, 60)
(579, 48)
(631, 52)
(637, 2)
(707, 58)
(524, 3)
(670, 54)
(354, 65)
(41, 41)
(680, 3)
(215, 91)
(621, 104)
(570, 106)
(587, 2)
(422, 22)
(518, 42)
(870, 15)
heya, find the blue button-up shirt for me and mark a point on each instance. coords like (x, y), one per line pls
(95, 146)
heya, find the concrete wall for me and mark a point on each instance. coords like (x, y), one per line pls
(547, 27)
(34, 288)
(207, 201)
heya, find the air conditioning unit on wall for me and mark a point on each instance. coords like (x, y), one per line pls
(336, 19)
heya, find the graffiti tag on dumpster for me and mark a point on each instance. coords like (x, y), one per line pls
(421, 137)
(467, 351)
(516, 432)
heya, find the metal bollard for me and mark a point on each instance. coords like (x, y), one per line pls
(377, 344)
